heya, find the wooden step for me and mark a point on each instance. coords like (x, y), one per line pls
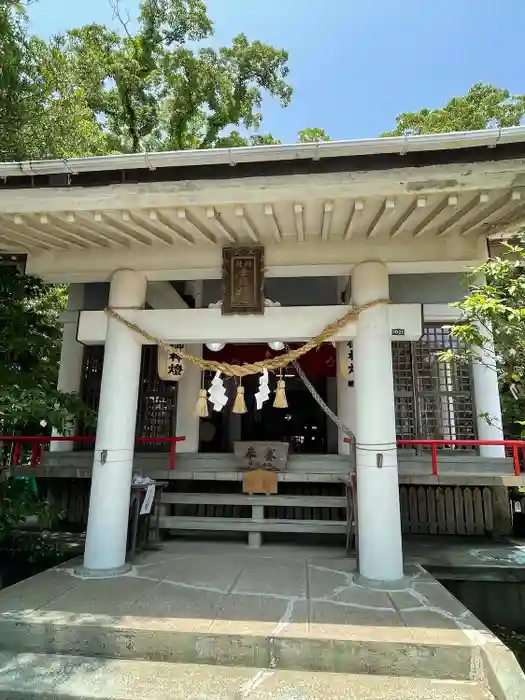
(239, 499)
(174, 522)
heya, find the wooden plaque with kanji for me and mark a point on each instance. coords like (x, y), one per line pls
(243, 280)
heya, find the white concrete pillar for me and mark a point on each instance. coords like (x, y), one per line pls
(188, 424)
(71, 353)
(486, 398)
(345, 398)
(105, 552)
(187, 396)
(379, 518)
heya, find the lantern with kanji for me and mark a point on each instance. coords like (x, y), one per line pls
(346, 363)
(170, 365)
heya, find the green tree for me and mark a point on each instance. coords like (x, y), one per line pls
(312, 135)
(15, 86)
(496, 304)
(482, 107)
(159, 88)
(30, 351)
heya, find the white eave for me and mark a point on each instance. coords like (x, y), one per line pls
(252, 154)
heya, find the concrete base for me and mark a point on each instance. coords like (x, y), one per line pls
(255, 540)
(275, 609)
(400, 584)
(84, 572)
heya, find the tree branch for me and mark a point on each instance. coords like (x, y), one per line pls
(117, 14)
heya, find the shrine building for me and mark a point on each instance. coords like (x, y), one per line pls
(241, 256)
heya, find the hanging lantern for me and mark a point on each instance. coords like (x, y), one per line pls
(276, 345)
(170, 365)
(346, 363)
(215, 347)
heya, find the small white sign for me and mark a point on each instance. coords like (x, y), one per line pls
(148, 500)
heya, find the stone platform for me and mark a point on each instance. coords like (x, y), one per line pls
(274, 619)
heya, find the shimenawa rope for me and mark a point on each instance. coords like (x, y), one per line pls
(248, 368)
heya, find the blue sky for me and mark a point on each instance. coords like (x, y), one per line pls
(355, 64)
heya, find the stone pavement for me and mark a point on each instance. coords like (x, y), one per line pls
(214, 582)
(280, 608)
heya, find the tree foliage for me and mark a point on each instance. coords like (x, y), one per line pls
(94, 91)
(496, 304)
(15, 85)
(482, 107)
(30, 351)
(313, 135)
(161, 89)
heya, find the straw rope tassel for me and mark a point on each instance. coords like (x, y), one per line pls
(201, 409)
(239, 405)
(280, 395)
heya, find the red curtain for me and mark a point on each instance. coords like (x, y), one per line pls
(320, 362)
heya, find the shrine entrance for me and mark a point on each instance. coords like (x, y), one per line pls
(304, 425)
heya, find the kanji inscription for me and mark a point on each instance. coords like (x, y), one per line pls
(243, 280)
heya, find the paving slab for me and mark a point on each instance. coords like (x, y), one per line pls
(102, 597)
(34, 592)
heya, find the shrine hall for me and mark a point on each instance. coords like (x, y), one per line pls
(260, 330)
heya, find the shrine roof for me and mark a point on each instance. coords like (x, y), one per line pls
(303, 158)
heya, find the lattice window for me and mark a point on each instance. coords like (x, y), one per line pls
(157, 400)
(403, 390)
(433, 399)
(91, 380)
(157, 403)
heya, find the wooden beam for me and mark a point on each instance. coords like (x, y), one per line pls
(112, 223)
(328, 209)
(248, 224)
(386, 209)
(80, 224)
(460, 214)
(202, 231)
(30, 237)
(354, 218)
(401, 224)
(298, 213)
(164, 224)
(426, 224)
(144, 229)
(508, 201)
(14, 245)
(81, 238)
(274, 222)
(227, 232)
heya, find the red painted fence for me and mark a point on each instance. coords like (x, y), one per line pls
(512, 448)
(32, 448)
(23, 448)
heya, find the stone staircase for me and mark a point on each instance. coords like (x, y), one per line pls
(226, 512)
(43, 677)
(58, 657)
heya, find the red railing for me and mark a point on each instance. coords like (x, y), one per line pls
(512, 448)
(33, 447)
(510, 445)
